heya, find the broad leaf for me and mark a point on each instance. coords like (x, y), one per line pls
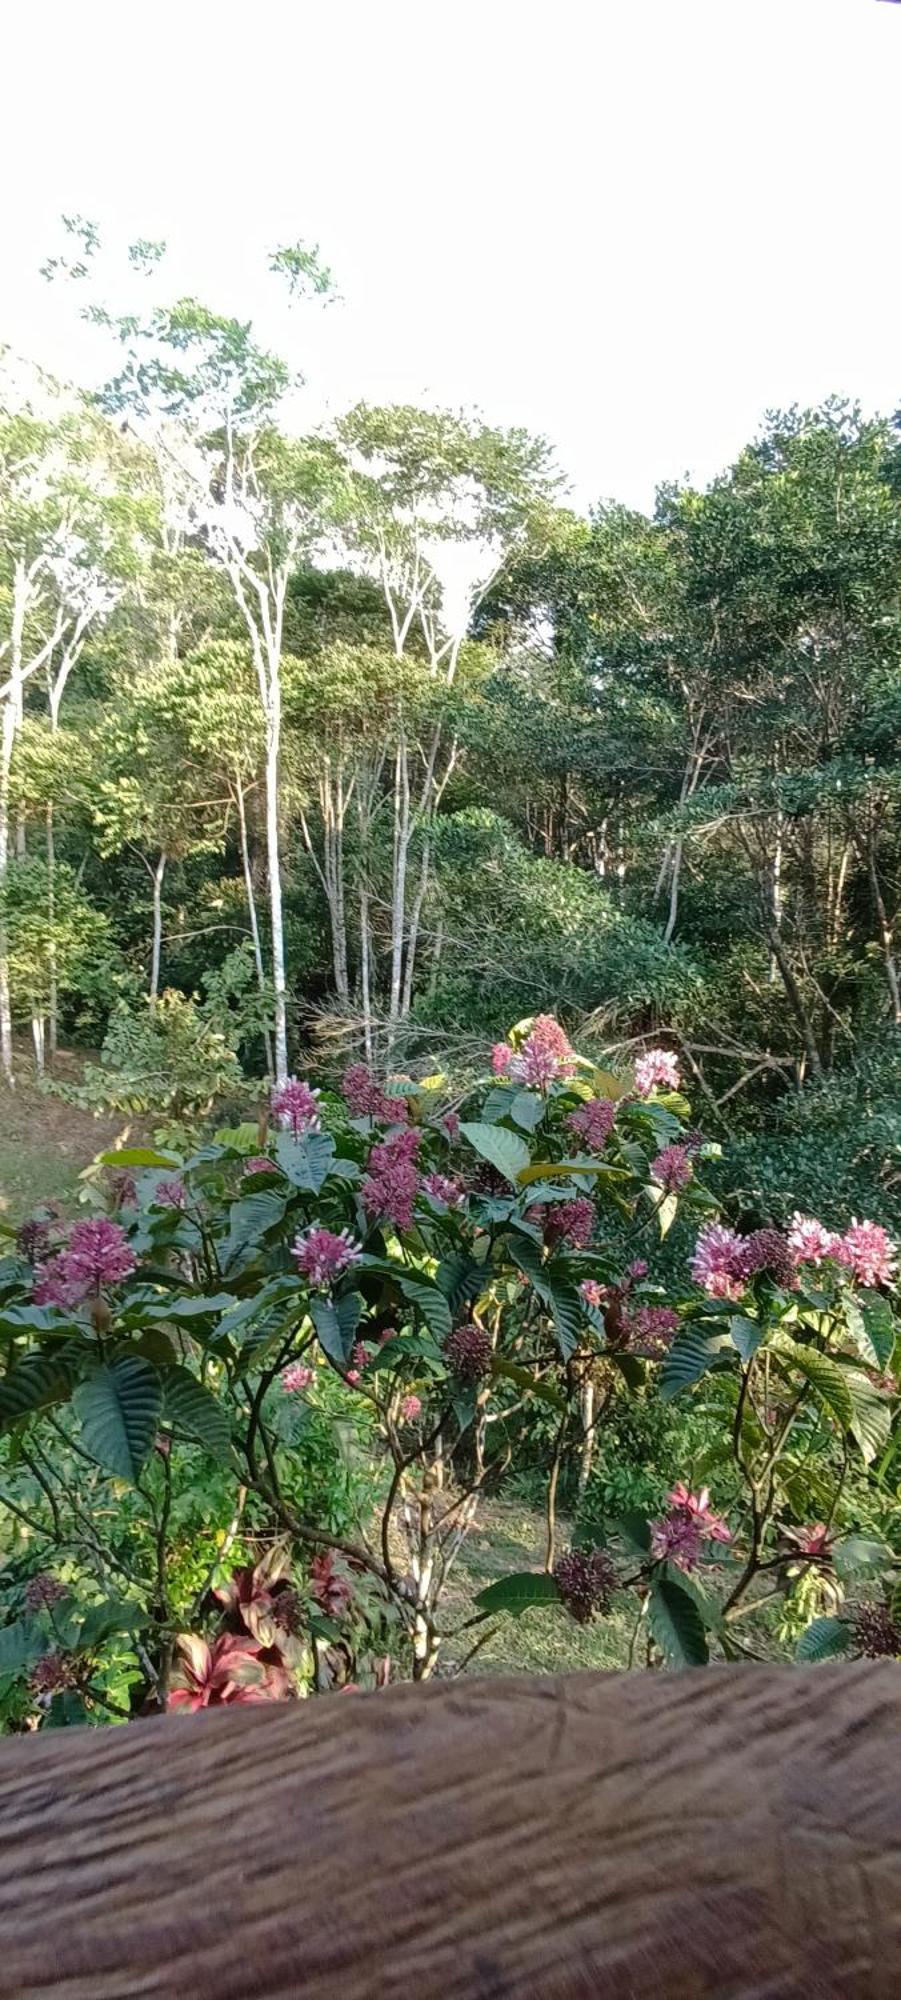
(517, 1593)
(529, 1384)
(527, 1110)
(693, 1352)
(429, 1301)
(502, 1149)
(676, 1624)
(250, 1219)
(667, 1212)
(39, 1381)
(594, 1171)
(633, 1528)
(140, 1156)
(200, 1305)
(119, 1408)
(879, 1324)
(747, 1335)
(871, 1414)
(823, 1640)
(459, 1278)
(857, 1555)
(193, 1409)
(827, 1379)
(20, 1645)
(336, 1322)
(305, 1162)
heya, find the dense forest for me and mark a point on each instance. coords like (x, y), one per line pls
(365, 737)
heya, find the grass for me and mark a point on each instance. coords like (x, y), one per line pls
(45, 1143)
(510, 1536)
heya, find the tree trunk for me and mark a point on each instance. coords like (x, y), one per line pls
(6, 1032)
(399, 874)
(252, 909)
(587, 1453)
(365, 971)
(156, 948)
(796, 1003)
(674, 891)
(886, 936)
(53, 994)
(273, 740)
(37, 1036)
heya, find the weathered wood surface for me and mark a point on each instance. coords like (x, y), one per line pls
(735, 1832)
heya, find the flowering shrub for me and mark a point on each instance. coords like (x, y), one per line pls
(433, 1271)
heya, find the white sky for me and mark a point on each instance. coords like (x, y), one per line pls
(631, 224)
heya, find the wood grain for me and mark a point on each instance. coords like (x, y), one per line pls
(735, 1832)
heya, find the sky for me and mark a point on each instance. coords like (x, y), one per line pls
(631, 225)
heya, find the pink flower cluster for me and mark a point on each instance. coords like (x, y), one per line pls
(571, 1222)
(392, 1182)
(593, 1122)
(544, 1056)
(97, 1254)
(689, 1521)
(259, 1163)
(813, 1541)
(656, 1069)
(410, 1409)
(295, 1378)
(322, 1256)
(366, 1099)
(446, 1188)
(672, 1169)
(724, 1262)
(651, 1328)
(296, 1105)
(593, 1293)
(170, 1193)
(866, 1249)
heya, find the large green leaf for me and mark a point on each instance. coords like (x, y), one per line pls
(119, 1408)
(336, 1322)
(250, 1219)
(517, 1593)
(746, 1334)
(305, 1162)
(871, 1414)
(429, 1301)
(554, 1287)
(527, 1110)
(860, 1555)
(39, 1381)
(199, 1305)
(20, 1645)
(460, 1278)
(529, 1384)
(693, 1352)
(676, 1624)
(828, 1380)
(594, 1170)
(823, 1640)
(879, 1326)
(193, 1409)
(503, 1150)
(139, 1156)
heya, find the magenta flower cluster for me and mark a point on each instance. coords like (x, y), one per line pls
(543, 1058)
(259, 1163)
(723, 1262)
(322, 1255)
(296, 1377)
(657, 1069)
(170, 1193)
(571, 1223)
(365, 1098)
(446, 1188)
(97, 1254)
(296, 1106)
(672, 1169)
(678, 1535)
(593, 1122)
(392, 1182)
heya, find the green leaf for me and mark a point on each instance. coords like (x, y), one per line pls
(306, 1162)
(823, 1640)
(193, 1409)
(20, 1646)
(529, 1384)
(551, 1170)
(518, 1592)
(633, 1528)
(336, 1322)
(856, 1555)
(429, 1301)
(139, 1156)
(250, 1219)
(555, 1289)
(879, 1324)
(693, 1351)
(104, 1621)
(459, 1278)
(504, 1150)
(676, 1624)
(746, 1334)
(667, 1212)
(497, 1103)
(39, 1381)
(527, 1110)
(871, 1415)
(827, 1379)
(206, 1305)
(119, 1408)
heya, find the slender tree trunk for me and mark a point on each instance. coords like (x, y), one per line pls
(53, 994)
(273, 740)
(252, 909)
(796, 1002)
(777, 893)
(6, 1031)
(413, 934)
(675, 875)
(37, 1036)
(886, 935)
(587, 1454)
(365, 970)
(399, 874)
(156, 948)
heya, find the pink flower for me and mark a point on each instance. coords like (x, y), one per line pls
(501, 1058)
(886, 1382)
(593, 1293)
(451, 1124)
(297, 1106)
(571, 1222)
(672, 1168)
(767, 1250)
(328, 1588)
(97, 1254)
(593, 1122)
(295, 1378)
(651, 1327)
(812, 1541)
(678, 1535)
(322, 1256)
(259, 1163)
(446, 1188)
(717, 1262)
(810, 1241)
(410, 1409)
(656, 1068)
(366, 1099)
(43, 1591)
(869, 1253)
(638, 1270)
(51, 1674)
(392, 1182)
(53, 1288)
(170, 1193)
(353, 1378)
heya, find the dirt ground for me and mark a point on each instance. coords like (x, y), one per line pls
(45, 1143)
